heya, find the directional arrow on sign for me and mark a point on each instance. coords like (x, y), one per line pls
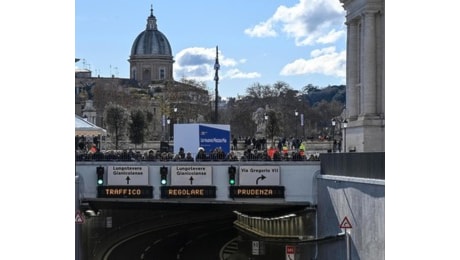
(262, 177)
(191, 175)
(127, 175)
(256, 175)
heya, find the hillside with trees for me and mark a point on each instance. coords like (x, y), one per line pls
(317, 105)
(304, 114)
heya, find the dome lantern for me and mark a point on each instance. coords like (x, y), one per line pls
(151, 20)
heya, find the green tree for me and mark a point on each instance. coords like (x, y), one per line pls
(116, 118)
(137, 127)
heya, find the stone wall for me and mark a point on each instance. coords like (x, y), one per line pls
(362, 201)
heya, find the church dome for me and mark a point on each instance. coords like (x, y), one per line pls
(151, 42)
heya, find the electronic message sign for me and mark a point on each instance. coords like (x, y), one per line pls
(269, 192)
(168, 192)
(121, 191)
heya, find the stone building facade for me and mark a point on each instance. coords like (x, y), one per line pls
(365, 93)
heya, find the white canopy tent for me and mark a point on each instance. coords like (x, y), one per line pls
(85, 128)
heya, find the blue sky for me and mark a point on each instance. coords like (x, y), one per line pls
(299, 42)
(38, 85)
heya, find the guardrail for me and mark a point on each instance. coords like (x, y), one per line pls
(298, 226)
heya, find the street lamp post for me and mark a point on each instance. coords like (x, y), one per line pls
(302, 124)
(163, 121)
(175, 114)
(296, 114)
(266, 123)
(216, 78)
(333, 133)
(174, 120)
(168, 121)
(345, 124)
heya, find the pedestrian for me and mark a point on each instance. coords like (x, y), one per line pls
(93, 149)
(189, 157)
(285, 150)
(201, 155)
(271, 152)
(302, 149)
(181, 154)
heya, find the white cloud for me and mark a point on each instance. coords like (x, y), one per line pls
(237, 74)
(331, 37)
(263, 29)
(195, 62)
(308, 22)
(323, 61)
(198, 63)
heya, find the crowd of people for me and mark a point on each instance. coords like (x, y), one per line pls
(217, 154)
(242, 149)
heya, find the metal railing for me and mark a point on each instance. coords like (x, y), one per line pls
(291, 226)
(129, 155)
